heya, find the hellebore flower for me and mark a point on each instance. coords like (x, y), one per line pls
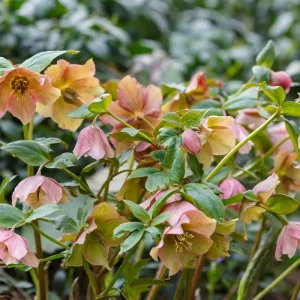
(14, 249)
(187, 237)
(217, 138)
(282, 79)
(93, 243)
(39, 190)
(93, 142)
(249, 117)
(21, 90)
(139, 106)
(288, 240)
(151, 200)
(78, 87)
(191, 141)
(142, 150)
(241, 133)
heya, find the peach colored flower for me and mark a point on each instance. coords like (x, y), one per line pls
(21, 90)
(39, 190)
(14, 249)
(78, 86)
(187, 237)
(93, 142)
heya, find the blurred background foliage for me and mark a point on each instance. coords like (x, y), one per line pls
(157, 41)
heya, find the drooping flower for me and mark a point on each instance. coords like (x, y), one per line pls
(78, 86)
(93, 142)
(191, 141)
(14, 249)
(241, 133)
(39, 190)
(21, 90)
(137, 105)
(282, 79)
(288, 240)
(187, 237)
(151, 200)
(93, 242)
(249, 117)
(217, 138)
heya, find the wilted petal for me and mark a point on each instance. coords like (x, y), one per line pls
(266, 188)
(82, 236)
(30, 260)
(102, 212)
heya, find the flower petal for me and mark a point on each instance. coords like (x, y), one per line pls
(265, 189)
(30, 260)
(154, 102)
(17, 246)
(52, 189)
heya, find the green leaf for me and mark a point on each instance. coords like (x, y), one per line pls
(166, 134)
(172, 118)
(193, 117)
(291, 109)
(157, 181)
(82, 112)
(10, 215)
(158, 155)
(155, 232)
(131, 241)
(130, 134)
(43, 211)
(50, 141)
(132, 270)
(99, 105)
(233, 247)
(62, 161)
(38, 62)
(5, 65)
(245, 99)
(275, 93)
(138, 211)
(31, 152)
(176, 174)
(233, 200)
(142, 172)
(261, 73)
(65, 224)
(170, 153)
(249, 195)
(206, 200)
(127, 227)
(3, 187)
(266, 56)
(161, 218)
(194, 165)
(293, 132)
(282, 204)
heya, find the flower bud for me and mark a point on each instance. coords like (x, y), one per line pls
(281, 79)
(191, 141)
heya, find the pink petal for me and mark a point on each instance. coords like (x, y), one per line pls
(30, 260)
(191, 141)
(241, 133)
(293, 230)
(4, 234)
(231, 187)
(290, 244)
(154, 102)
(117, 110)
(17, 246)
(279, 246)
(52, 189)
(266, 188)
(281, 79)
(249, 117)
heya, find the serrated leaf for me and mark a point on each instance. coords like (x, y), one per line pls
(193, 117)
(170, 153)
(282, 204)
(99, 105)
(65, 224)
(172, 118)
(138, 211)
(158, 155)
(233, 200)
(43, 211)
(81, 112)
(131, 241)
(10, 215)
(31, 152)
(127, 227)
(50, 141)
(62, 161)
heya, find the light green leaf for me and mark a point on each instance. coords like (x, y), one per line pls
(142, 172)
(157, 181)
(62, 161)
(161, 218)
(127, 227)
(291, 109)
(138, 211)
(131, 241)
(65, 224)
(275, 93)
(266, 56)
(3, 187)
(193, 117)
(172, 118)
(10, 215)
(99, 105)
(293, 132)
(43, 211)
(282, 204)
(82, 112)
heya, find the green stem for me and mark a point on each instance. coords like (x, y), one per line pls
(277, 280)
(249, 173)
(53, 257)
(178, 292)
(188, 292)
(35, 280)
(296, 292)
(110, 173)
(239, 146)
(160, 275)
(92, 280)
(44, 234)
(259, 236)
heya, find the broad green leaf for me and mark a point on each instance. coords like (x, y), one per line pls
(62, 161)
(10, 215)
(138, 211)
(233, 200)
(38, 62)
(127, 227)
(82, 112)
(130, 134)
(193, 117)
(245, 99)
(5, 65)
(142, 172)
(99, 105)
(293, 132)
(170, 153)
(3, 187)
(172, 118)
(155, 232)
(194, 165)
(158, 155)
(177, 169)
(50, 141)
(167, 134)
(206, 200)
(43, 211)
(249, 195)
(282, 204)
(266, 56)
(131, 241)
(261, 73)
(161, 218)
(291, 109)
(132, 270)
(275, 93)
(156, 181)
(31, 152)
(65, 224)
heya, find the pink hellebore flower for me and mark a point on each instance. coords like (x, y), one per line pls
(14, 249)
(241, 133)
(191, 141)
(93, 142)
(39, 190)
(281, 79)
(187, 237)
(288, 240)
(249, 117)
(21, 89)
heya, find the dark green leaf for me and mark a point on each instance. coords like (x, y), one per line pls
(249, 195)
(157, 181)
(177, 169)
(10, 215)
(170, 153)
(194, 165)
(158, 155)
(293, 132)
(132, 270)
(282, 204)
(233, 247)
(131, 241)
(245, 99)
(82, 112)
(233, 200)
(138, 211)
(142, 172)
(62, 161)
(50, 141)
(266, 56)
(167, 134)
(127, 227)
(261, 73)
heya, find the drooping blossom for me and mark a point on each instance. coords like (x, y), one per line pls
(39, 190)
(21, 90)
(14, 249)
(288, 240)
(93, 242)
(249, 117)
(282, 79)
(231, 187)
(93, 142)
(186, 237)
(217, 138)
(191, 141)
(241, 133)
(78, 87)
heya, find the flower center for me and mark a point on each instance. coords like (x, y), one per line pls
(70, 96)
(181, 241)
(20, 84)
